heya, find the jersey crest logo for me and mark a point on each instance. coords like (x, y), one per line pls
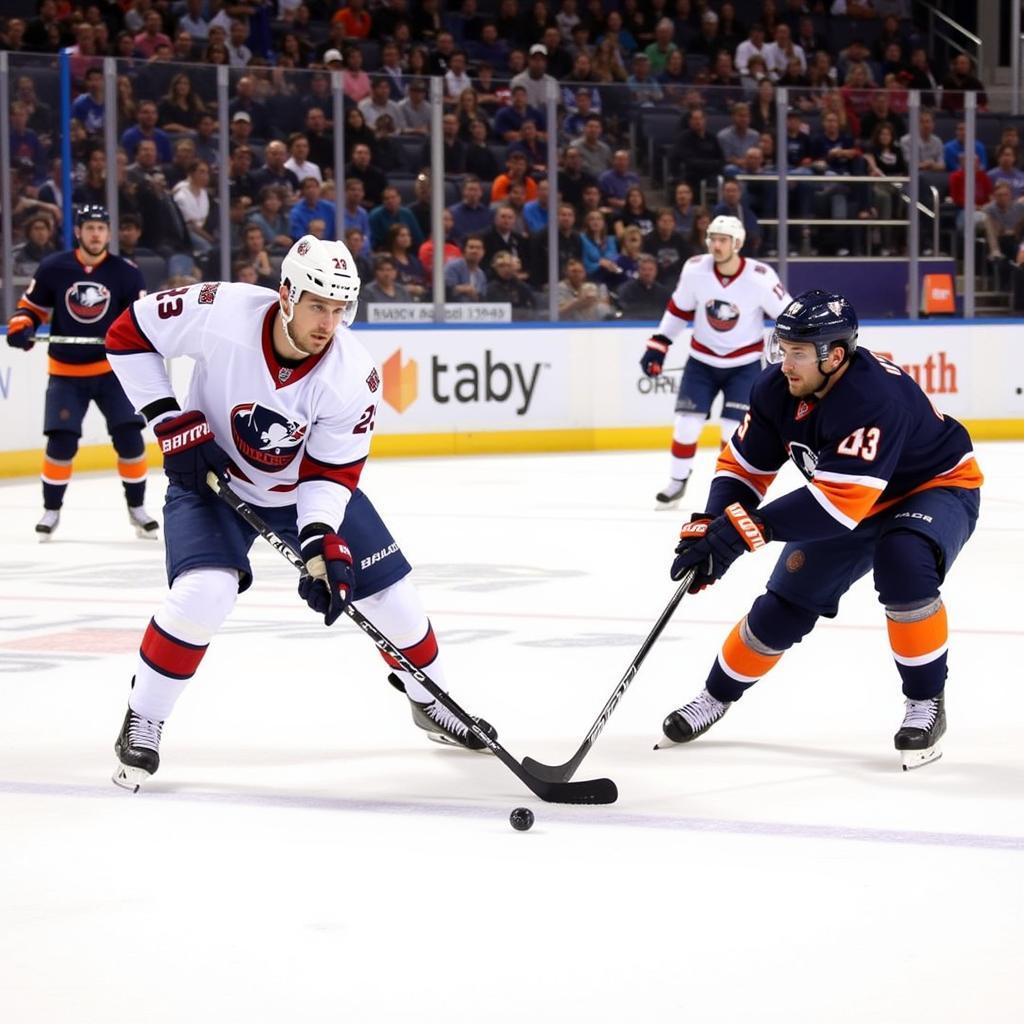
(373, 381)
(722, 315)
(758, 269)
(264, 437)
(208, 293)
(803, 410)
(805, 459)
(87, 301)
(284, 374)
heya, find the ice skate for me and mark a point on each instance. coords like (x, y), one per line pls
(138, 750)
(442, 726)
(692, 720)
(145, 525)
(668, 497)
(924, 723)
(48, 524)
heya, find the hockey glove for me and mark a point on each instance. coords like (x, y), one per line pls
(21, 331)
(330, 582)
(714, 544)
(653, 358)
(190, 451)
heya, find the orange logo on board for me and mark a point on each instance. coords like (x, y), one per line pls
(400, 381)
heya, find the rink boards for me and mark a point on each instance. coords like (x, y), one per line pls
(521, 388)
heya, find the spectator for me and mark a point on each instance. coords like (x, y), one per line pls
(530, 146)
(372, 177)
(163, 227)
(728, 89)
(572, 179)
(241, 181)
(535, 212)
(753, 44)
(580, 299)
(145, 165)
(440, 58)
(930, 148)
(357, 132)
(645, 297)
(634, 213)
(384, 287)
(152, 35)
(920, 76)
(779, 53)
(644, 90)
(379, 102)
(1006, 172)
(600, 250)
(355, 18)
(508, 122)
(387, 153)
(535, 78)
(833, 152)
(595, 154)
(193, 22)
(354, 214)
(733, 205)
(667, 246)
(253, 252)
(240, 134)
(184, 156)
(450, 250)
(617, 181)
(663, 46)
(355, 82)
(515, 172)
(961, 79)
(683, 208)
(298, 161)
(88, 107)
(391, 70)
(129, 232)
(885, 159)
(464, 279)
(1004, 220)
(630, 250)
(470, 216)
(414, 111)
(454, 148)
(480, 160)
(411, 273)
(181, 108)
(456, 80)
(311, 205)
(958, 194)
(583, 106)
(421, 207)
(696, 155)
(246, 102)
(356, 242)
(707, 42)
(144, 128)
(505, 286)
(391, 212)
(272, 220)
(37, 246)
(763, 109)
(185, 49)
(953, 151)
(570, 245)
(502, 236)
(735, 140)
(92, 190)
(244, 272)
(206, 140)
(275, 172)
(881, 111)
(239, 54)
(193, 200)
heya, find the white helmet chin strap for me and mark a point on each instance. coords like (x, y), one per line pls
(286, 319)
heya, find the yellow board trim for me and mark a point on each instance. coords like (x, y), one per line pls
(491, 442)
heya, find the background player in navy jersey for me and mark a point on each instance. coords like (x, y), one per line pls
(892, 488)
(725, 298)
(282, 400)
(81, 293)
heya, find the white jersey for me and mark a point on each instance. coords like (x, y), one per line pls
(296, 432)
(727, 314)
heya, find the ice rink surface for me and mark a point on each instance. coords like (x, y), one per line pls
(304, 854)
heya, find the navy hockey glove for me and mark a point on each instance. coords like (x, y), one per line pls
(190, 451)
(653, 358)
(330, 582)
(712, 545)
(21, 331)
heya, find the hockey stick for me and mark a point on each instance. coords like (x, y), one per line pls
(564, 772)
(594, 791)
(68, 339)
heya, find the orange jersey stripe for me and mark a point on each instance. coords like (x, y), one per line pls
(56, 472)
(851, 499)
(40, 311)
(919, 642)
(741, 661)
(729, 465)
(59, 369)
(134, 470)
(967, 475)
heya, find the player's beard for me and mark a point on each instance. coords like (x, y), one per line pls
(93, 249)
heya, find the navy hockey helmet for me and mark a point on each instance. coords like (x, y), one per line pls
(91, 211)
(822, 319)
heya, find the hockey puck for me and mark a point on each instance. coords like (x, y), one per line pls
(521, 819)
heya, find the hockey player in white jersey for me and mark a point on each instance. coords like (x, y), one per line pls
(724, 298)
(282, 402)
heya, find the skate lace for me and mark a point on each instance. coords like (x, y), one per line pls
(144, 733)
(444, 718)
(920, 714)
(703, 711)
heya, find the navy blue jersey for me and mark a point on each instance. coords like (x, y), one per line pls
(81, 301)
(874, 439)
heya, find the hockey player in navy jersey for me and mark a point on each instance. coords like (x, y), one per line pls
(81, 293)
(892, 488)
(724, 297)
(282, 401)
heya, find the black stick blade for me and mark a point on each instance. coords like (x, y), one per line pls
(552, 772)
(595, 791)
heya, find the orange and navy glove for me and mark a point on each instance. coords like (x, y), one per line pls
(653, 359)
(712, 545)
(21, 331)
(329, 585)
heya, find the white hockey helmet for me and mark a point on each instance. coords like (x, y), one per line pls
(724, 225)
(324, 268)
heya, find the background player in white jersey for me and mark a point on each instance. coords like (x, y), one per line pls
(282, 400)
(724, 297)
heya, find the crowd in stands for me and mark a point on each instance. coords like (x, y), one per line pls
(630, 207)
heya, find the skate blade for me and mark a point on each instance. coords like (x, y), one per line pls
(664, 743)
(446, 741)
(919, 758)
(666, 506)
(130, 778)
(44, 536)
(143, 534)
